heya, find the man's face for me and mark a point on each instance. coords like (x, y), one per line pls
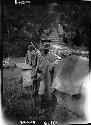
(45, 51)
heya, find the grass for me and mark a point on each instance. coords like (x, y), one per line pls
(19, 105)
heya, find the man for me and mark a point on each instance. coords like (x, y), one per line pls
(31, 58)
(28, 55)
(53, 59)
(45, 64)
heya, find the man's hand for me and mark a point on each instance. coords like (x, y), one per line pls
(52, 89)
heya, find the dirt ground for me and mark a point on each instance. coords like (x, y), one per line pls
(18, 104)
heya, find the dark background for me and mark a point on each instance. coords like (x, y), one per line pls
(24, 23)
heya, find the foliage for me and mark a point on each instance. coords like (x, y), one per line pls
(25, 23)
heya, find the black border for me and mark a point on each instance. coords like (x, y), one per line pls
(33, 2)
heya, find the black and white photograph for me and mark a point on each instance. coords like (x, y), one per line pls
(45, 46)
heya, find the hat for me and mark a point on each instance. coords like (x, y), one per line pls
(44, 41)
(30, 47)
(46, 46)
(23, 66)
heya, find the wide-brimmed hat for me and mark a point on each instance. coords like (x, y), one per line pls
(46, 40)
(23, 66)
(30, 47)
(46, 46)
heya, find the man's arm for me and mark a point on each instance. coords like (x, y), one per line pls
(53, 57)
(57, 57)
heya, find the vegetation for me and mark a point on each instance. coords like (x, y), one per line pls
(25, 23)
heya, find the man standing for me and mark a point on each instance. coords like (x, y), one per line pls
(45, 65)
(29, 54)
(52, 58)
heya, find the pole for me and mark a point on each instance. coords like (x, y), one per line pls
(35, 82)
(33, 45)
